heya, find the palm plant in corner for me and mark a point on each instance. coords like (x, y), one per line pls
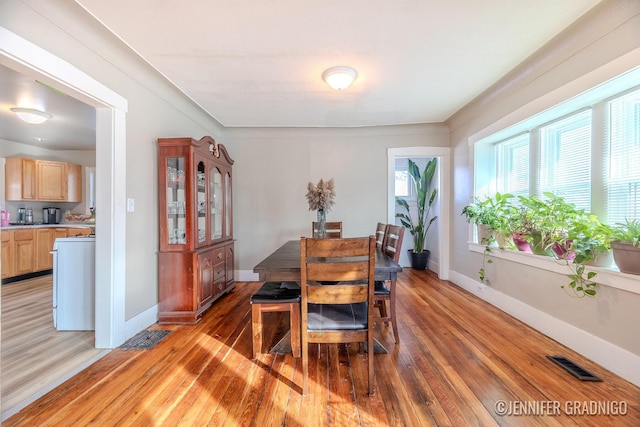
(419, 225)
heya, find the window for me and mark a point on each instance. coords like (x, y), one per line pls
(623, 184)
(589, 155)
(565, 159)
(513, 165)
(402, 183)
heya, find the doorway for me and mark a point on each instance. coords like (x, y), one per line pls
(442, 225)
(29, 59)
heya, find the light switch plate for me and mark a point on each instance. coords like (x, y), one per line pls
(130, 205)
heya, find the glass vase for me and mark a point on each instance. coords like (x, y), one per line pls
(322, 224)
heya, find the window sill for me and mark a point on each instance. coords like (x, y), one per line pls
(606, 276)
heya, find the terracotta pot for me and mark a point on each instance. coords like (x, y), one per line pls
(626, 256)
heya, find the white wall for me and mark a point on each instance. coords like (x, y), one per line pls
(603, 44)
(155, 109)
(273, 166)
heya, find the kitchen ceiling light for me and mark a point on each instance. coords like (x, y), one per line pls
(30, 115)
(339, 77)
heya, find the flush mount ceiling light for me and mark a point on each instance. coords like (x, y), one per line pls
(30, 115)
(339, 77)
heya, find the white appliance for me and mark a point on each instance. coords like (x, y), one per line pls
(74, 283)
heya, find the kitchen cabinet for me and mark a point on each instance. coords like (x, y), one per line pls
(51, 180)
(24, 251)
(20, 179)
(5, 250)
(28, 250)
(42, 180)
(44, 240)
(74, 183)
(43, 246)
(195, 260)
(78, 231)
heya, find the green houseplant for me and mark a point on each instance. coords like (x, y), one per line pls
(419, 225)
(491, 217)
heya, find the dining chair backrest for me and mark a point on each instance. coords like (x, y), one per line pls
(381, 230)
(334, 229)
(342, 311)
(393, 241)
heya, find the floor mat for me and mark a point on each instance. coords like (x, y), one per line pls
(144, 340)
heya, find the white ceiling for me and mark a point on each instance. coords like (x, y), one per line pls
(71, 127)
(259, 63)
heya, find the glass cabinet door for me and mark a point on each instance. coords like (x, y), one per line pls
(227, 205)
(201, 194)
(215, 180)
(176, 203)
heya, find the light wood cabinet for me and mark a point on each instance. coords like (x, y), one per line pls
(20, 179)
(44, 244)
(74, 183)
(26, 251)
(42, 180)
(195, 260)
(5, 249)
(78, 231)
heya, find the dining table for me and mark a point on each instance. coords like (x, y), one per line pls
(283, 265)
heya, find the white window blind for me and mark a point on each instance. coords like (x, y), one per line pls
(513, 165)
(623, 184)
(565, 159)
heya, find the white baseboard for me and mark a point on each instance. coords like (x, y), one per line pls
(616, 359)
(246, 276)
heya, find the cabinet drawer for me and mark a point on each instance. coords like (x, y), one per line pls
(5, 236)
(22, 235)
(218, 271)
(217, 255)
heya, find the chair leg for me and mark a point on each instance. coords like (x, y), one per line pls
(382, 306)
(294, 318)
(370, 361)
(256, 328)
(305, 364)
(392, 303)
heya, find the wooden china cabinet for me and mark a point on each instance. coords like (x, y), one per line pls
(195, 262)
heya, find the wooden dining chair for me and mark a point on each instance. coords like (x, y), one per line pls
(383, 293)
(341, 312)
(334, 230)
(381, 230)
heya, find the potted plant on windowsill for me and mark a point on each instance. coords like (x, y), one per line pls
(491, 217)
(590, 243)
(419, 225)
(625, 245)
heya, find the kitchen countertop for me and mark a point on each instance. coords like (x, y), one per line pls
(61, 225)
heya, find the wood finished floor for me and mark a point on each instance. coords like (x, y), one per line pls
(457, 358)
(34, 354)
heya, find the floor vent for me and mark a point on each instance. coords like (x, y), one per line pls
(573, 369)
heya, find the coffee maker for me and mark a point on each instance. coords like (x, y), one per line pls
(51, 215)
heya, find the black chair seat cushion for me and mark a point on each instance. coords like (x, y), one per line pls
(276, 292)
(381, 289)
(337, 316)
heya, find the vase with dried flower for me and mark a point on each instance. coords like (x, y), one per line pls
(320, 198)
